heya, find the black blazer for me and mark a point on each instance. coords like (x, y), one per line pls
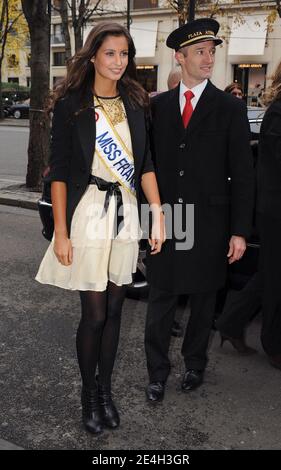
(269, 162)
(192, 167)
(73, 145)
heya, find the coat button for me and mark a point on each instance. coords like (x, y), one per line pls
(182, 145)
(181, 173)
(180, 200)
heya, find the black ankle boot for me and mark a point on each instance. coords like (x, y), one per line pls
(91, 411)
(109, 412)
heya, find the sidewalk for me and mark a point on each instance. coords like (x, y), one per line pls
(15, 122)
(236, 408)
(18, 195)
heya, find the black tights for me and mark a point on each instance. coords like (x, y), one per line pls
(98, 333)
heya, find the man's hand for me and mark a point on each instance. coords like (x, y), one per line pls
(237, 247)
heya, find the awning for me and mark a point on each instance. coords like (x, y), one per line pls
(248, 38)
(144, 35)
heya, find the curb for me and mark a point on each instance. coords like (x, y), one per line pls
(6, 201)
(18, 195)
(14, 123)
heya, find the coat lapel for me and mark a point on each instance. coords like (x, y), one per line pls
(204, 106)
(136, 125)
(86, 127)
(175, 112)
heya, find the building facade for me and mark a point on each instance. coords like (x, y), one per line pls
(249, 54)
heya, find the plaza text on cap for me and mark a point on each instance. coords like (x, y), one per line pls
(203, 29)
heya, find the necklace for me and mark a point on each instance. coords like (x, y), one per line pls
(107, 97)
(113, 107)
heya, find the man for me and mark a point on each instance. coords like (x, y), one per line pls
(200, 139)
(174, 78)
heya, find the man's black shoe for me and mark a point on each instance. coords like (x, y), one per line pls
(176, 329)
(192, 379)
(155, 391)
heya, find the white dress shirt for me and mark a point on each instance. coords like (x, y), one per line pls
(197, 91)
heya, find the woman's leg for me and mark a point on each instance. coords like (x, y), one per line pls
(89, 334)
(111, 330)
(88, 342)
(109, 345)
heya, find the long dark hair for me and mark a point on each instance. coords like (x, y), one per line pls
(81, 72)
(232, 86)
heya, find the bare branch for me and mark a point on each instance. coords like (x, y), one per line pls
(91, 11)
(278, 7)
(14, 21)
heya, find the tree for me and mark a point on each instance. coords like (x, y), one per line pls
(278, 7)
(80, 11)
(181, 7)
(219, 7)
(4, 24)
(62, 7)
(37, 14)
(13, 34)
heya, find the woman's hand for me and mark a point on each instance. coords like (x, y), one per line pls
(158, 232)
(63, 249)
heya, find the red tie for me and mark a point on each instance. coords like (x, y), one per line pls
(188, 109)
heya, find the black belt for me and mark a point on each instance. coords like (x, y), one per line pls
(112, 189)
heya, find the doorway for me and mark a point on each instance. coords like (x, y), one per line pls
(147, 77)
(252, 78)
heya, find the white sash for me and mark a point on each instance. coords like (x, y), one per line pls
(114, 153)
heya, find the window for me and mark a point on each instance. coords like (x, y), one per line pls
(57, 37)
(13, 79)
(28, 82)
(252, 79)
(56, 80)
(29, 60)
(59, 59)
(57, 29)
(147, 77)
(55, 7)
(142, 4)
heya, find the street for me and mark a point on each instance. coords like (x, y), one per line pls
(13, 161)
(238, 406)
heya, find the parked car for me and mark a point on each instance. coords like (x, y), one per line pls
(15, 96)
(239, 272)
(19, 110)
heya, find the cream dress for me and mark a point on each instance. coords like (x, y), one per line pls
(97, 256)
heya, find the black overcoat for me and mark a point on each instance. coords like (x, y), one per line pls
(193, 166)
(269, 209)
(73, 144)
(269, 162)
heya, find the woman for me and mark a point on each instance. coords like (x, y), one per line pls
(269, 208)
(234, 89)
(264, 289)
(100, 163)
